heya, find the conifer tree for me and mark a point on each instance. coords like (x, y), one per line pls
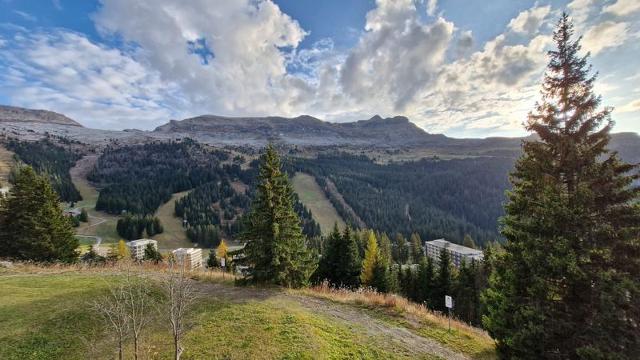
(32, 224)
(567, 285)
(384, 244)
(370, 261)
(444, 281)
(468, 241)
(426, 282)
(402, 249)
(348, 265)
(417, 253)
(275, 250)
(329, 260)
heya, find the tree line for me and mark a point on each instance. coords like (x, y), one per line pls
(435, 198)
(139, 178)
(50, 160)
(132, 227)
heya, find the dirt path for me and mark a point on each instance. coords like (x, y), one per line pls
(412, 344)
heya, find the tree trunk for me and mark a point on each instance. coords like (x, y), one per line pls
(135, 347)
(120, 354)
(178, 351)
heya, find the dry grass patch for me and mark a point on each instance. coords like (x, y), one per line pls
(417, 318)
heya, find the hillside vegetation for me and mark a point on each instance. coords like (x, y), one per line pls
(52, 160)
(435, 198)
(46, 314)
(6, 163)
(312, 196)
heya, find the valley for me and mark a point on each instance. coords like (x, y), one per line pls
(341, 172)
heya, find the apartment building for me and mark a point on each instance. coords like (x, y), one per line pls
(458, 252)
(136, 247)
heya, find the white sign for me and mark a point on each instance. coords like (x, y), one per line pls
(448, 301)
(222, 262)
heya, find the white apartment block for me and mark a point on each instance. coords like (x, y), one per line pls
(457, 252)
(189, 257)
(136, 247)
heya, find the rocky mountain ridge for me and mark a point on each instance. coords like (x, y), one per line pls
(15, 114)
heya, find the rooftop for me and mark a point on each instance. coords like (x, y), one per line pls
(442, 243)
(141, 242)
(186, 250)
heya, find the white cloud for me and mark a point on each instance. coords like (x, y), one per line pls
(247, 73)
(623, 7)
(431, 7)
(248, 61)
(607, 34)
(100, 87)
(25, 15)
(632, 106)
(396, 57)
(529, 21)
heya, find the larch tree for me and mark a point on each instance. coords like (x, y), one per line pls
(568, 282)
(33, 226)
(370, 261)
(275, 250)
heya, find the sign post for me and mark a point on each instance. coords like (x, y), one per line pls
(448, 302)
(222, 264)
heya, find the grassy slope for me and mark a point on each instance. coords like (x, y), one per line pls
(100, 223)
(174, 235)
(6, 162)
(314, 199)
(45, 316)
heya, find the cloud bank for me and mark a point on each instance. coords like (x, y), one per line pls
(245, 58)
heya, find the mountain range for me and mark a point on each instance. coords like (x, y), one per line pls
(305, 131)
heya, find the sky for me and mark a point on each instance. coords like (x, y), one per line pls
(458, 67)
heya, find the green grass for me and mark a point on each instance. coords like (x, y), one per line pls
(173, 236)
(269, 329)
(312, 196)
(47, 316)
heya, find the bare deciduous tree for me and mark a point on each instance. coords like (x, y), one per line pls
(139, 305)
(127, 310)
(180, 297)
(113, 310)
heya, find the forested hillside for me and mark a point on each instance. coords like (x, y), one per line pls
(139, 178)
(432, 197)
(51, 160)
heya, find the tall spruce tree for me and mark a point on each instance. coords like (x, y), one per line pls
(32, 224)
(340, 263)
(417, 253)
(426, 282)
(568, 283)
(275, 250)
(443, 282)
(349, 263)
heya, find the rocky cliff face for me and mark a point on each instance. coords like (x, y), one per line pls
(303, 130)
(17, 114)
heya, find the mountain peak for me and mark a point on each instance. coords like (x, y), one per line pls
(18, 114)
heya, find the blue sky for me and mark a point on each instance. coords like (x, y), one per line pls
(459, 67)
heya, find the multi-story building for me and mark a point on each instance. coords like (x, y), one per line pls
(136, 247)
(189, 257)
(458, 252)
